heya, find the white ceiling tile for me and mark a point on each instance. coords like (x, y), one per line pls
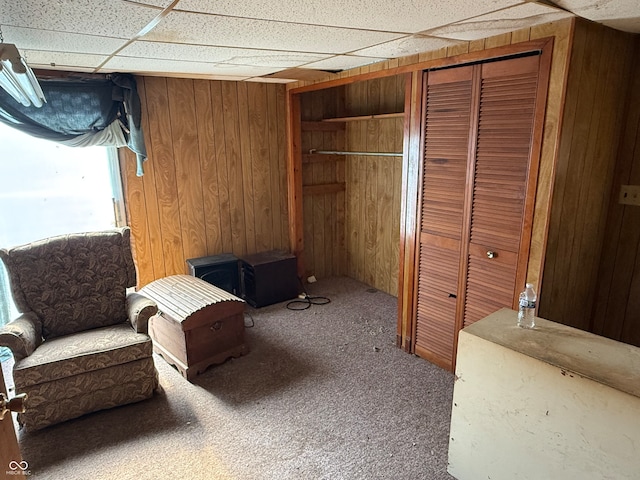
(92, 17)
(48, 40)
(239, 32)
(61, 60)
(601, 10)
(631, 25)
(406, 46)
(620, 14)
(150, 65)
(407, 16)
(210, 54)
(496, 23)
(343, 62)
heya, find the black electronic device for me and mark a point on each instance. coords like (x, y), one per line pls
(220, 270)
(268, 277)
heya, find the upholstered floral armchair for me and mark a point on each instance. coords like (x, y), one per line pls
(81, 343)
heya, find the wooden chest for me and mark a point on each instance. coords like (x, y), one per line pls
(198, 324)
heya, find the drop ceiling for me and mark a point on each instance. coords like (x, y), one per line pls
(263, 40)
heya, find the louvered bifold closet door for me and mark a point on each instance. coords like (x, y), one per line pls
(447, 118)
(503, 148)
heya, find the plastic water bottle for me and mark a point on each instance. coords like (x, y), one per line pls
(527, 307)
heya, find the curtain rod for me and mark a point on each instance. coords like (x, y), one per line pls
(369, 154)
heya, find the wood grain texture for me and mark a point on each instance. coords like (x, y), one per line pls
(163, 164)
(373, 183)
(478, 147)
(616, 306)
(149, 241)
(562, 36)
(222, 183)
(592, 126)
(205, 142)
(187, 167)
(208, 165)
(448, 108)
(323, 185)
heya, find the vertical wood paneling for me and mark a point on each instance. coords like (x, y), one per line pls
(371, 195)
(161, 135)
(207, 141)
(222, 184)
(319, 204)
(208, 165)
(594, 109)
(356, 101)
(135, 208)
(340, 231)
(498, 40)
(273, 171)
(260, 166)
(246, 164)
(136, 205)
(616, 309)
(186, 159)
(374, 183)
(324, 213)
(562, 34)
(233, 136)
(150, 238)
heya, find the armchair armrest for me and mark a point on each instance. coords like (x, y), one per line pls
(140, 309)
(22, 335)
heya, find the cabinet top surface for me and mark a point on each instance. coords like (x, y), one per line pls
(601, 359)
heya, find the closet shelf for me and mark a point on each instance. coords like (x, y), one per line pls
(375, 116)
(323, 188)
(313, 152)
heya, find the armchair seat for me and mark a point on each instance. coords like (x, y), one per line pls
(81, 344)
(82, 353)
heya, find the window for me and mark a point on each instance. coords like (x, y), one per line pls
(49, 189)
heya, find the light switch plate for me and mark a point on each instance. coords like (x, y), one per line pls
(630, 195)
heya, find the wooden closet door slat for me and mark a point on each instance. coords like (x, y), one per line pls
(503, 150)
(444, 169)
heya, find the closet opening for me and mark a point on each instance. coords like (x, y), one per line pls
(351, 144)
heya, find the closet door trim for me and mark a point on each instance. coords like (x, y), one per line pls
(468, 194)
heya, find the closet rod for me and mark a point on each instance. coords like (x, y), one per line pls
(368, 154)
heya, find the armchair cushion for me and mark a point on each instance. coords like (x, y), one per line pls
(22, 336)
(73, 282)
(84, 352)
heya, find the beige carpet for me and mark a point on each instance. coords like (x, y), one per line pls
(323, 394)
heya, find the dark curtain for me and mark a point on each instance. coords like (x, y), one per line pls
(78, 112)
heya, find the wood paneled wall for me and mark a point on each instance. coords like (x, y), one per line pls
(323, 187)
(215, 179)
(374, 184)
(591, 128)
(617, 309)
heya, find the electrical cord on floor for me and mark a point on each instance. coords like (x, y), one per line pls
(306, 300)
(253, 322)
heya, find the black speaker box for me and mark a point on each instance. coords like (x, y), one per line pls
(219, 270)
(268, 277)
